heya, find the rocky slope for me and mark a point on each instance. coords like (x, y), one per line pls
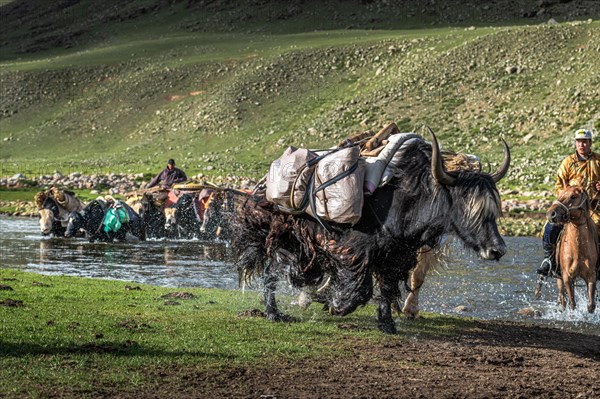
(225, 88)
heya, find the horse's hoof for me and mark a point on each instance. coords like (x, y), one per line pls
(410, 316)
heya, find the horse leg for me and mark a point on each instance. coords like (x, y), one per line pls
(570, 288)
(561, 292)
(411, 305)
(591, 286)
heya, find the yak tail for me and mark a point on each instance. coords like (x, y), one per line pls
(250, 232)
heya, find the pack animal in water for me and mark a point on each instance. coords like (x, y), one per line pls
(577, 247)
(421, 203)
(54, 207)
(182, 219)
(92, 220)
(153, 217)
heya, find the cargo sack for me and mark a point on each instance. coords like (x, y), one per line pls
(376, 166)
(67, 200)
(336, 194)
(116, 216)
(288, 179)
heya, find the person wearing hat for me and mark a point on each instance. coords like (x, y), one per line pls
(581, 168)
(168, 176)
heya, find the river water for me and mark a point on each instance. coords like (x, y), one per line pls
(464, 285)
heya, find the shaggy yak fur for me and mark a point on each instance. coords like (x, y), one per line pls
(153, 217)
(218, 215)
(182, 220)
(421, 204)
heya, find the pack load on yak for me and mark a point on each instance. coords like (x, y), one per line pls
(54, 206)
(430, 195)
(116, 216)
(330, 184)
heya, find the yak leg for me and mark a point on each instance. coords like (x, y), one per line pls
(270, 284)
(591, 286)
(424, 261)
(271, 310)
(390, 292)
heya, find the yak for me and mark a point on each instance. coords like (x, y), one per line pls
(422, 203)
(91, 220)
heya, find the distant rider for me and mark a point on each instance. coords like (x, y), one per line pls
(580, 168)
(167, 177)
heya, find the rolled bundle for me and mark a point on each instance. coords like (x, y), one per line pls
(66, 200)
(377, 166)
(39, 199)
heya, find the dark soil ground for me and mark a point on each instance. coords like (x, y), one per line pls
(496, 360)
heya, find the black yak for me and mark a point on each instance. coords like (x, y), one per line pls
(421, 204)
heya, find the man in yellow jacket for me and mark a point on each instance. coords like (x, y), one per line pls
(581, 168)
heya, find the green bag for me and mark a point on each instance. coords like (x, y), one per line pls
(115, 217)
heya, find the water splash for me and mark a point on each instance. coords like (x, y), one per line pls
(465, 286)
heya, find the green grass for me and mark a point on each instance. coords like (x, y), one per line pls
(130, 94)
(81, 333)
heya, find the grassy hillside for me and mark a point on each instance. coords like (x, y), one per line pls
(224, 88)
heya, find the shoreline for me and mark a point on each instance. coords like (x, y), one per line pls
(520, 217)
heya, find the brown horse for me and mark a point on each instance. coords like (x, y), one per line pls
(577, 249)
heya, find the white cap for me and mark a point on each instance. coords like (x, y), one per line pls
(583, 134)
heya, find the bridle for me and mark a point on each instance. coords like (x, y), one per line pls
(568, 210)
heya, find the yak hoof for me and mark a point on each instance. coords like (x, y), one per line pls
(281, 318)
(388, 328)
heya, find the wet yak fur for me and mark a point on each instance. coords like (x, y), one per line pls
(153, 217)
(216, 223)
(421, 204)
(182, 220)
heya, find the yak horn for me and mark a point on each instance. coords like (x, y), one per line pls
(437, 169)
(503, 169)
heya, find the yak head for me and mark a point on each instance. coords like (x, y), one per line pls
(170, 218)
(49, 214)
(76, 223)
(474, 204)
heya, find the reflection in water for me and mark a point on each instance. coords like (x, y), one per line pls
(488, 290)
(169, 263)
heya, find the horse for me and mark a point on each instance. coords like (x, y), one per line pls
(577, 248)
(422, 203)
(91, 220)
(53, 207)
(183, 218)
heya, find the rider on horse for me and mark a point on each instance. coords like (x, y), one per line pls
(580, 168)
(167, 177)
